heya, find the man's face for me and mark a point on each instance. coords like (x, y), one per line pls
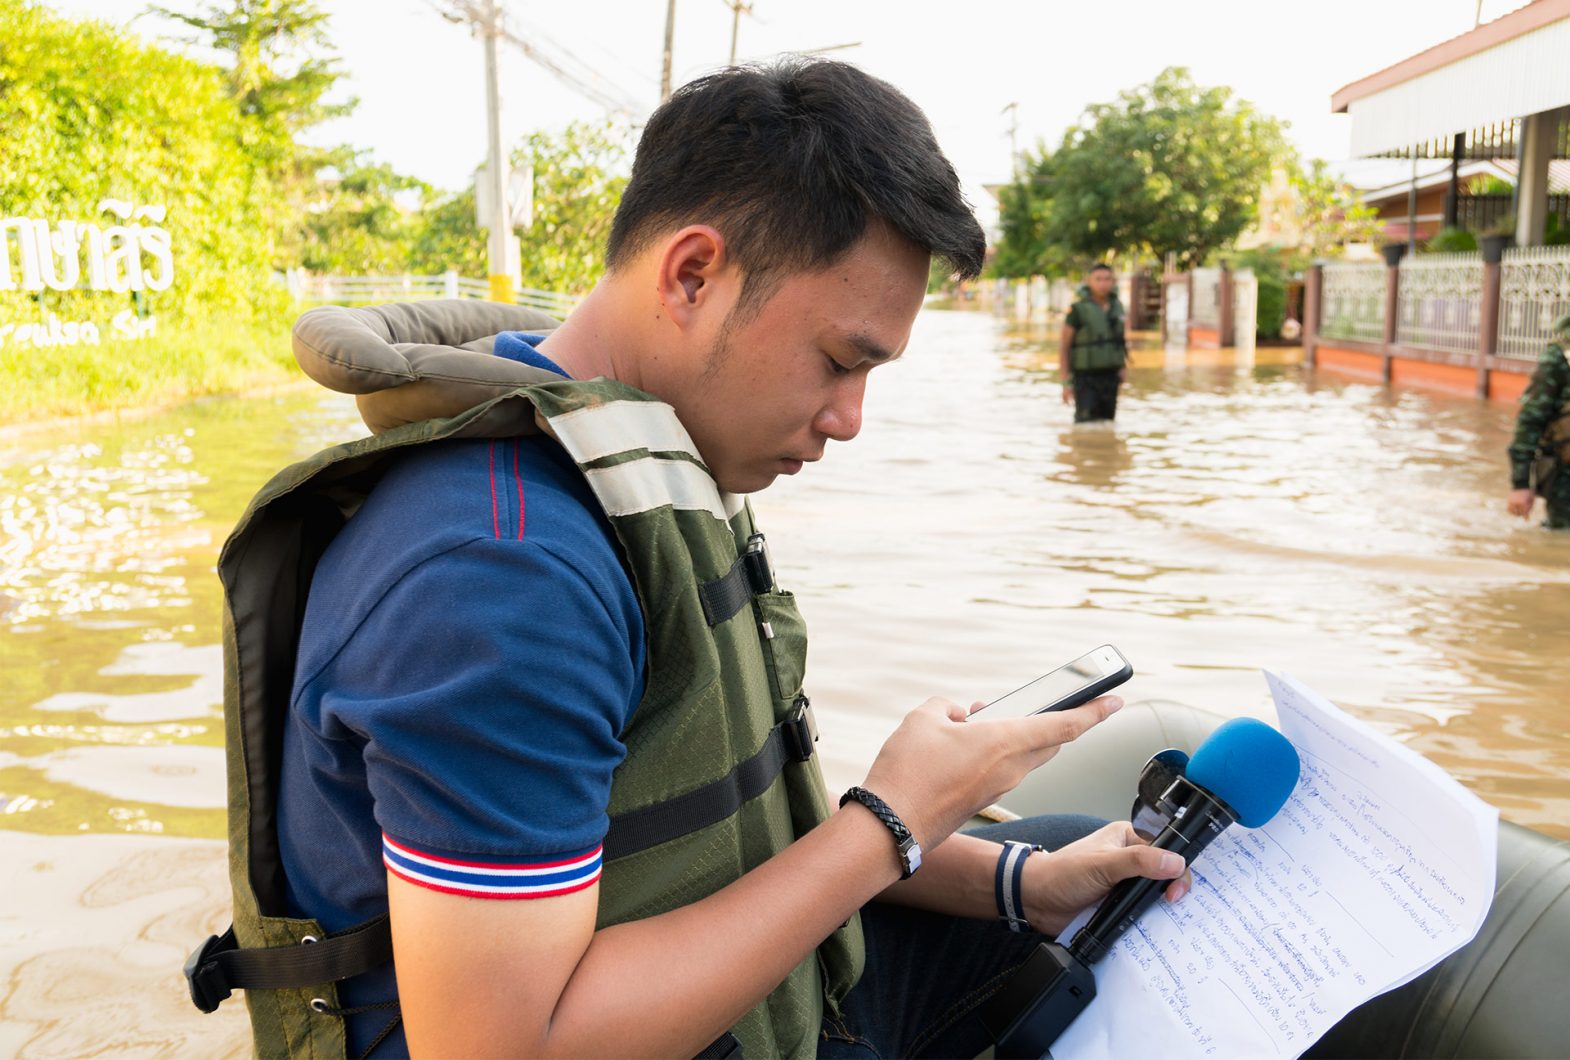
(776, 387)
(1101, 283)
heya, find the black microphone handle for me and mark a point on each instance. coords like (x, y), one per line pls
(1200, 818)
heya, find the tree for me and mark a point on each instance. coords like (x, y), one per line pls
(1023, 215)
(271, 74)
(280, 70)
(1329, 213)
(367, 221)
(141, 124)
(579, 174)
(1171, 166)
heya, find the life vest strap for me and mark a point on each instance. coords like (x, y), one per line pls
(790, 741)
(220, 966)
(751, 575)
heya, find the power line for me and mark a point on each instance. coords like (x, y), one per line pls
(552, 57)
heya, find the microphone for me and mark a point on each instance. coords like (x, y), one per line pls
(1244, 772)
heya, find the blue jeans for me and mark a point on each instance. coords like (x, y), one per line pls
(927, 973)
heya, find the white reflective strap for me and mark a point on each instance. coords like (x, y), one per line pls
(648, 483)
(617, 426)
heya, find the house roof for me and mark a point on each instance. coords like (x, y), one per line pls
(1505, 169)
(1480, 84)
(1507, 27)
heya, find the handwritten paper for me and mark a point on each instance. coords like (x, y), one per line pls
(1378, 867)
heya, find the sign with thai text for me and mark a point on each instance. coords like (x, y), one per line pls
(127, 251)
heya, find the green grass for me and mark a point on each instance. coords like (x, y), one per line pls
(185, 361)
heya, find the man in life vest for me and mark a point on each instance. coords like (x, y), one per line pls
(1092, 353)
(1540, 450)
(520, 757)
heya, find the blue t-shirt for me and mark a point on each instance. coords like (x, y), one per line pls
(472, 651)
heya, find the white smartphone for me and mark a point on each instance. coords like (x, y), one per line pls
(1093, 674)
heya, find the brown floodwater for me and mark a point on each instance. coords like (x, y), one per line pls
(1243, 514)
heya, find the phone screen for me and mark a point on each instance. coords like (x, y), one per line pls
(1062, 686)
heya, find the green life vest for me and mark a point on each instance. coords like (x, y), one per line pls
(719, 774)
(1099, 344)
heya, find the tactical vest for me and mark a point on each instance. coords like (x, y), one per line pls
(719, 775)
(1099, 343)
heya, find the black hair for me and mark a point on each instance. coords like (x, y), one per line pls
(1100, 266)
(791, 161)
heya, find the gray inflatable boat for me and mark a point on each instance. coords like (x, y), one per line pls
(1504, 994)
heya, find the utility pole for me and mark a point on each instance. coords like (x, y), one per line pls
(501, 214)
(737, 9)
(1012, 110)
(670, 33)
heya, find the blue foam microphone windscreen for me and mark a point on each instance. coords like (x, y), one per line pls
(1249, 766)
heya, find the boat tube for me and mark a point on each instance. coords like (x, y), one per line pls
(1504, 994)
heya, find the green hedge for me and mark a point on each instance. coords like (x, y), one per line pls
(1271, 311)
(88, 113)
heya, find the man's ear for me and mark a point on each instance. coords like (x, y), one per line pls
(690, 266)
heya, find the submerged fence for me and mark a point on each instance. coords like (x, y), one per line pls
(1353, 301)
(1442, 301)
(1534, 292)
(307, 287)
(1439, 302)
(1459, 322)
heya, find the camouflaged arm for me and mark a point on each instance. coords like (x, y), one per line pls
(411, 361)
(1540, 404)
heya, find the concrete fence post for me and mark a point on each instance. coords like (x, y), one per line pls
(1392, 309)
(1226, 326)
(1161, 312)
(1313, 295)
(1488, 324)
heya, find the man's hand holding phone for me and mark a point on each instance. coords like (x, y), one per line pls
(945, 762)
(942, 765)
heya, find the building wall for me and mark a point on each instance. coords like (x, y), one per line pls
(1430, 214)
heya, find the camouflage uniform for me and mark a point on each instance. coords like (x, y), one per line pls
(1540, 452)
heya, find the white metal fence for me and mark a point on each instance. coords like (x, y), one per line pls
(1439, 302)
(354, 289)
(1534, 291)
(1352, 301)
(1205, 307)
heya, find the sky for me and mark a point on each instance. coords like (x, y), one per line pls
(420, 79)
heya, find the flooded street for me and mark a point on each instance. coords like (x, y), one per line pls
(1241, 515)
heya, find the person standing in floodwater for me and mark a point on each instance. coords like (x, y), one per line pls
(1540, 451)
(1093, 353)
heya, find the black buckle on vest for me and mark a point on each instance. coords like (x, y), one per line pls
(205, 976)
(800, 730)
(760, 569)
